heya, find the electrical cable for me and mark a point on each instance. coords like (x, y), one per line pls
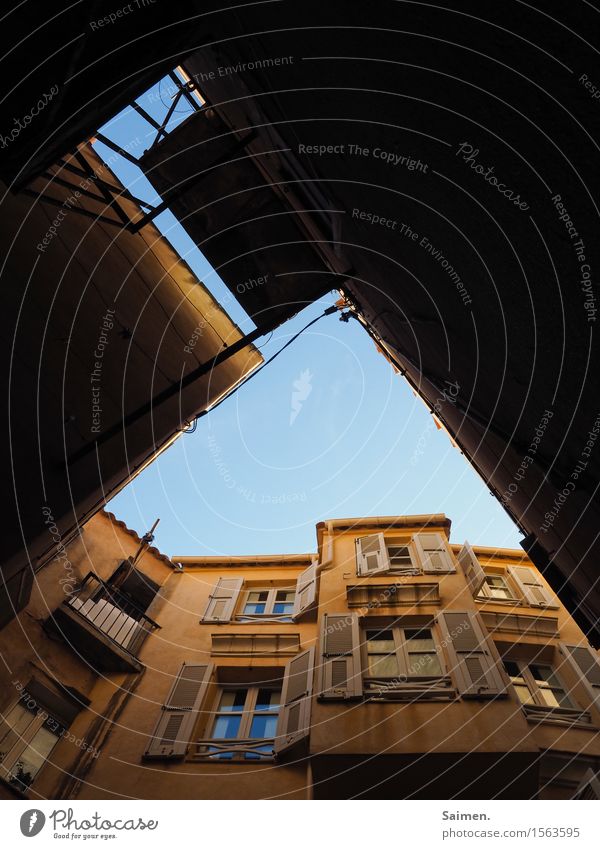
(329, 311)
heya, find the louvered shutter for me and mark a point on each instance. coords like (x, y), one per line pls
(586, 665)
(433, 553)
(371, 555)
(473, 665)
(178, 715)
(222, 600)
(532, 587)
(294, 720)
(340, 657)
(589, 788)
(306, 591)
(472, 568)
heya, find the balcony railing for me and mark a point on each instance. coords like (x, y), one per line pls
(233, 750)
(112, 613)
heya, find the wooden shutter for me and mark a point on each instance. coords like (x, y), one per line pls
(472, 568)
(306, 591)
(586, 665)
(340, 657)
(222, 600)
(433, 553)
(474, 668)
(532, 587)
(294, 720)
(371, 555)
(177, 719)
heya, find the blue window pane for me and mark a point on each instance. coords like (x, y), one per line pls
(226, 727)
(283, 607)
(268, 700)
(263, 726)
(232, 700)
(254, 608)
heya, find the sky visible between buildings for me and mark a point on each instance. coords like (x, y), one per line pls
(328, 430)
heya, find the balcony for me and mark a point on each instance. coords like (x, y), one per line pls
(104, 626)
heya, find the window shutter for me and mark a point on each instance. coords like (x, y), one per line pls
(472, 568)
(177, 719)
(534, 591)
(371, 555)
(222, 600)
(294, 719)
(434, 555)
(306, 591)
(472, 664)
(586, 665)
(340, 663)
(589, 787)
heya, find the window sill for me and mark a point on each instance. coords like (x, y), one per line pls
(392, 690)
(571, 717)
(254, 618)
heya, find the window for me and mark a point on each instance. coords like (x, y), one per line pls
(27, 736)
(496, 587)
(400, 559)
(244, 724)
(269, 602)
(537, 684)
(402, 653)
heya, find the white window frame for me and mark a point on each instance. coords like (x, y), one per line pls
(38, 718)
(413, 569)
(269, 604)
(402, 653)
(535, 691)
(484, 593)
(243, 743)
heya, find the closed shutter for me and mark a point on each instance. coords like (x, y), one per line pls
(433, 553)
(472, 568)
(474, 668)
(371, 555)
(340, 662)
(586, 665)
(178, 715)
(222, 600)
(532, 587)
(306, 591)
(294, 720)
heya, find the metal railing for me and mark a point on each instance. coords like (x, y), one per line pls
(228, 750)
(112, 613)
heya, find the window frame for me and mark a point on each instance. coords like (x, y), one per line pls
(243, 743)
(39, 718)
(413, 569)
(484, 592)
(402, 654)
(269, 604)
(535, 691)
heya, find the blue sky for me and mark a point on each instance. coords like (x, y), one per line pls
(261, 470)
